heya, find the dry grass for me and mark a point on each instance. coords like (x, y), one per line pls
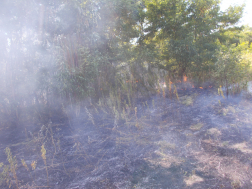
(242, 147)
(165, 160)
(196, 127)
(193, 179)
(231, 167)
(186, 100)
(214, 132)
(228, 110)
(165, 145)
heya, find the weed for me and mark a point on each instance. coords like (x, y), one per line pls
(193, 172)
(137, 124)
(193, 179)
(166, 146)
(236, 184)
(196, 127)
(90, 116)
(215, 132)
(123, 115)
(225, 143)
(176, 92)
(2, 175)
(231, 109)
(163, 89)
(220, 92)
(25, 165)
(34, 165)
(170, 87)
(189, 144)
(187, 100)
(5, 176)
(58, 144)
(51, 133)
(13, 164)
(158, 88)
(147, 105)
(117, 115)
(43, 155)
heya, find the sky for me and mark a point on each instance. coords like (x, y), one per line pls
(247, 14)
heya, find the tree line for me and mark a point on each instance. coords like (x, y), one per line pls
(56, 53)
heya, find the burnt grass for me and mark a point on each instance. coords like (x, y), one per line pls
(199, 141)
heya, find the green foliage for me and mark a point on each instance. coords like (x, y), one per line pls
(231, 68)
(185, 33)
(113, 51)
(97, 48)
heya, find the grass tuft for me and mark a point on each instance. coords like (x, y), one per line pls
(186, 100)
(196, 127)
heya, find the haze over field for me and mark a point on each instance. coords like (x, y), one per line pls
(81, 106)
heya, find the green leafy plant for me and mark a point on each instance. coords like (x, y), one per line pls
(230, 69)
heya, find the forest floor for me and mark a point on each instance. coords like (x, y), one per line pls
(201, 141)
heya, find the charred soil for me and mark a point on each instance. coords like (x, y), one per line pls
(198, 140)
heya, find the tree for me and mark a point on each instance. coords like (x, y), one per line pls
(231, 69)
(185, 32)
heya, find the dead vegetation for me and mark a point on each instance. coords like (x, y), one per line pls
(159, 141)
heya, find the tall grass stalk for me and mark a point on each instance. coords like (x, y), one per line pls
(13, 164)
(43, 155)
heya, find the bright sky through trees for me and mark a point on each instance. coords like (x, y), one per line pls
(247, 15)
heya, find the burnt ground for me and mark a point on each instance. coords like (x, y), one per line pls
(199, 141)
